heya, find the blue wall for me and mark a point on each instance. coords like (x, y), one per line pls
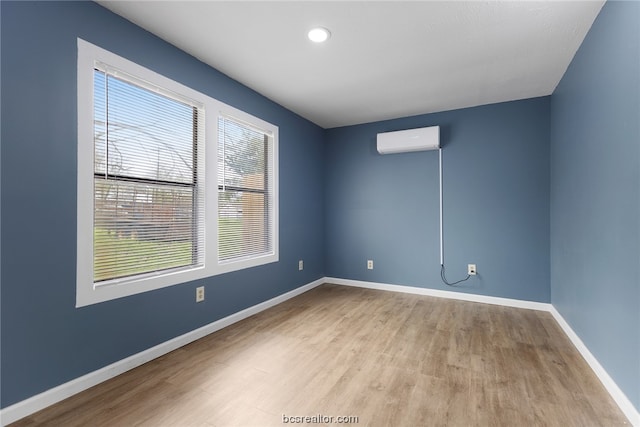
(595, 194)
(496, 202)
(46, 341)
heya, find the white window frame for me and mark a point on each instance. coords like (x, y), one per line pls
(87, 292)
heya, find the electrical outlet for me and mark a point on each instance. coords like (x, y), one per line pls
(200, 294)
(301, 265)
(471, 270)
(370, 264)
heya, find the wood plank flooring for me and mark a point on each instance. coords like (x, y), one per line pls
(389, 359)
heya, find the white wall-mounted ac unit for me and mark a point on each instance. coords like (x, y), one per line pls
(403, 141)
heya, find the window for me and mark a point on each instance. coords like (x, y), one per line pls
(244, 199)
(148, 212)
(160, 201)
(247, 196)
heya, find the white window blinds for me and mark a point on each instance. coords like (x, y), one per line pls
(245, 211)
(148, 179)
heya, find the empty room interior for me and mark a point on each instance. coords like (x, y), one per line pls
(364, 213)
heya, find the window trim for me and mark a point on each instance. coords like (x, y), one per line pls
(87, 292)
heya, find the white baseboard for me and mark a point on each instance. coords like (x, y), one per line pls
(618, 395)
(531, 305)
(40, 401)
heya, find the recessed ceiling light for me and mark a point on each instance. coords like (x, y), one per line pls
(319, 34)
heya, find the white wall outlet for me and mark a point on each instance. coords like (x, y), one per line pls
(370, 264)
(301, 265)
(471, 270)
(200, 294)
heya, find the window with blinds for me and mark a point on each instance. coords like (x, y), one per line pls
(148, 201)
(245, 214)
(173, 186)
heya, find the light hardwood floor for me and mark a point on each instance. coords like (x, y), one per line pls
(390, 359)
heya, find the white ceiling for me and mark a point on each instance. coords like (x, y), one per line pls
(384, 59)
